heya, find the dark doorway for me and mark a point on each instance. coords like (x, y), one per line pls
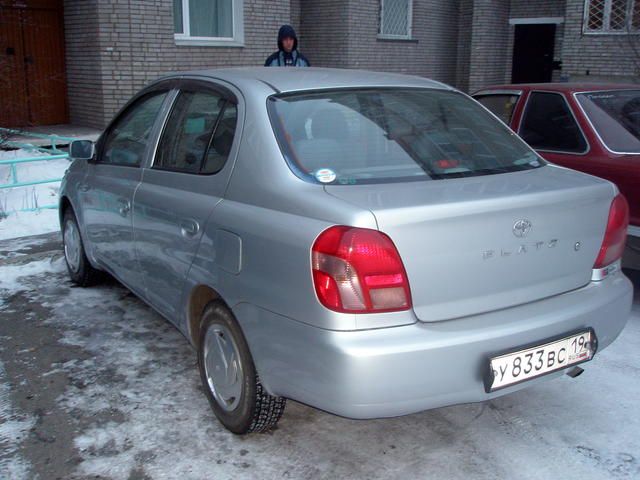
(533, 53)
(33, 88)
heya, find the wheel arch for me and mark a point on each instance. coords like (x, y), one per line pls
(199, 297)
(63, 206)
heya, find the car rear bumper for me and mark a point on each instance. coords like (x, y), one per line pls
(400, 370)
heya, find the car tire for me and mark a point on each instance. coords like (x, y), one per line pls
(80, 270)
(229, 377)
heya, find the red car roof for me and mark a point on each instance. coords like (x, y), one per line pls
(562, 87)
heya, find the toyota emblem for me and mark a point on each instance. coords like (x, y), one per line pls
(521, 228)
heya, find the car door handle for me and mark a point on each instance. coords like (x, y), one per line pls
(189, 228)
(125, 207)
(83, 187)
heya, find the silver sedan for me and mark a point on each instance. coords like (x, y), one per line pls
(369, 244)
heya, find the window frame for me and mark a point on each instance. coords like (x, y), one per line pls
(606, 20)
(165, 88)
(237, 26)
(575, 119)
(197, 86)
(387, 36)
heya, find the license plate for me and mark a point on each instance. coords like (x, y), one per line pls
(529, 363)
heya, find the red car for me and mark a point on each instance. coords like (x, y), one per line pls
(587, 127)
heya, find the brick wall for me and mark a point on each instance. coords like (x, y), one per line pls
(489, 44)
(135, 44)
(537, 8)
(431, 53)
(323, 32)
(84, 79)
(114, 47)
(597, 57)
(465, 30)
(492, 38)
(344, 34)
(296, 9)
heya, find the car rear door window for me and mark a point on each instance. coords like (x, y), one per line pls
(548, 124)
(126, 140)
(501, 105)
(198, 135)
(222, 140)
(615, 115)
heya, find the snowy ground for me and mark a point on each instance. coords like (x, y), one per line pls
(94, 384)
(16, 223)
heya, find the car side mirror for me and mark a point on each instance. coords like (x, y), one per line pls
(82, 150)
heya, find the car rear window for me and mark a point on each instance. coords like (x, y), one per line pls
(616, 117)
(357, 136)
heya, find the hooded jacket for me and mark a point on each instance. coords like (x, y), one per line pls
(284, 59)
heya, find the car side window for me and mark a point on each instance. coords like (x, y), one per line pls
(222, 140)
(549, 125)
(501, 105)
(127, 138)
(198, 135)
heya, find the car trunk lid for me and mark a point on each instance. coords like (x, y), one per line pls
(478, 244)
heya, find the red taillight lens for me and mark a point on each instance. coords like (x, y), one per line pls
(616, 234)
(357, 270)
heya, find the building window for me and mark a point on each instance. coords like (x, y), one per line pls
(395, 19)
(612, 16)
(208, 22)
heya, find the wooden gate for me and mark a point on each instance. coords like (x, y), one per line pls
(33, 88)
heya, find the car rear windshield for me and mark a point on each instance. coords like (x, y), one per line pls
(616, 117)
(355, 136)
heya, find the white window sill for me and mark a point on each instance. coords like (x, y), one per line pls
(381, 36)
(207, 42)
(611, 32)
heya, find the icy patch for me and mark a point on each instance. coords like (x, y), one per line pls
(17, 247)
(139, 391)
(13, 276)
(13, 429)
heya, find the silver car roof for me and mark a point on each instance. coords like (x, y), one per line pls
(298, 79)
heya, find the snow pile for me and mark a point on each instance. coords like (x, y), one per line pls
(17, 223)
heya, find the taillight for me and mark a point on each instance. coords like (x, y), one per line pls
(616, 233)
(357, 270)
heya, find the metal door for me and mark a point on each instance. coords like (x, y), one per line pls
(107, 190)
(14, 109)
(32, 66)
(533, 53)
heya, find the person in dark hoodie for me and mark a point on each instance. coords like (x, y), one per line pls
(287, 54)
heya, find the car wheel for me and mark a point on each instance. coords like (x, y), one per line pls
(78, 266)
(229, 376)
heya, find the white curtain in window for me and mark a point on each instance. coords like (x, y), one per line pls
(211, 18)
